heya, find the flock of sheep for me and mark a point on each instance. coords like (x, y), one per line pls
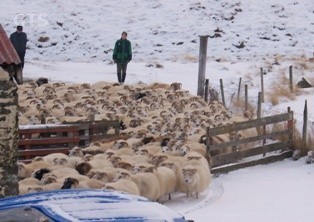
(161, 148)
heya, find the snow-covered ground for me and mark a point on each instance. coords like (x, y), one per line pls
(275, 35)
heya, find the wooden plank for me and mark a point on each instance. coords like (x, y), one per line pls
(220, 160)
(247, 140)
(41, 152)
(48, 141)
(59, 129)
(265, 160)
(250, 124)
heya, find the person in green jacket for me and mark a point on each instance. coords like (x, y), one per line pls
(122, 55)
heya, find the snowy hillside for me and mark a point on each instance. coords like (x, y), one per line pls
(163, 30)
(244, 36)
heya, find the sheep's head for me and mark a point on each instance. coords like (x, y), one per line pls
(60, 161)
(119, 144)
(102, 176)
(48, 178)
(76, 151)
(40, 173)
(121, 175)
(70, 183)
(83, 168)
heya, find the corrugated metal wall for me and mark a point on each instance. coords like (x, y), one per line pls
(8, 54)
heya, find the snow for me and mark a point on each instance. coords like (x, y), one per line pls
(275, 34)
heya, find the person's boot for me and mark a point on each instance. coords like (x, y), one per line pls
(119, 78)
(123, 77)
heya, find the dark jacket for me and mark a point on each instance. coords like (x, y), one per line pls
(19, 42)
(122, 51)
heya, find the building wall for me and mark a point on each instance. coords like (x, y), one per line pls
(8, 136)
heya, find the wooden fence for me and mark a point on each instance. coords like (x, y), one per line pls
(235, 160)
(40, 140)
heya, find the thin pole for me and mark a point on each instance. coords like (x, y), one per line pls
(222, 92)
(246, 97)
(262, 85)
(291, 79)
(202, 65)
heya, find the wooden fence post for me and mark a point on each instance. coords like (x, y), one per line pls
(206, 90)
(304, 132)
(208, 158)
(222, 92)
(246, 97)
(202, 65)
(290, 127)
(291, 79)
(239, 90)
(259, 111)
(262, 85)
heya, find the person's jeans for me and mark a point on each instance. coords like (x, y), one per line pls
(121, 71)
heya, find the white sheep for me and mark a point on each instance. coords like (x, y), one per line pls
(123, 185)
(27, 184)
(196, 179)
(56, 159)
(167, 180)
(26, 170)
(147, 183)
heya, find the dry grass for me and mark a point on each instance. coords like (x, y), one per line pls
(185, 58)
(280, 90)
(190, 58)
(238, 106)
(297, 143)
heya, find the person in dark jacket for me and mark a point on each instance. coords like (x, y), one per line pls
(122, 55)
(19, 39)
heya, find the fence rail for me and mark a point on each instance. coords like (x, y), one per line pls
(236, 159)
(39, 140)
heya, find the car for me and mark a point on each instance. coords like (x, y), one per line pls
(84, 205)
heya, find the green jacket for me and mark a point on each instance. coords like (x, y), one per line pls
(122, 51)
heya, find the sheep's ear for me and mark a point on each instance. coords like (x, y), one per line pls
(55, 160)
(21, 166)
(37, 159)
(63, 161)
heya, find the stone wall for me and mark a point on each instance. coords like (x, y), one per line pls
(8, 136)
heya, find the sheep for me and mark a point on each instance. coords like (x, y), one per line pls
(76, 151)
(167, 179)
(197, 147)
(26, 170)
(96, 163)
(52, 186)
(147, 183)
(197, 159)
(123, 185)
(58, 176)
(176, 168)
(28, 184)
(56, 159)
(106, 174)
(90, 184)
(24, 189)
(101, 176)
(215, 140)
(141, 167)
(196, 179)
